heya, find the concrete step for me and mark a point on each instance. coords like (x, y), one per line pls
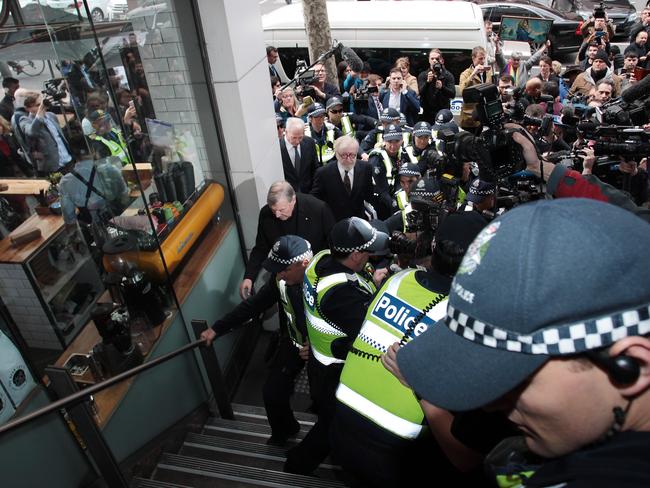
(236, 451)
(201, 473)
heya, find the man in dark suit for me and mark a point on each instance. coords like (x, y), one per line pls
(286, 212)
(399, 97)
(299, 160)
(345, 184)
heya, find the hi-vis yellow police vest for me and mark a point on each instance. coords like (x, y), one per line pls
(322, 332)
(402, 309)
(325, 151)
(117, 149)
(294, 334)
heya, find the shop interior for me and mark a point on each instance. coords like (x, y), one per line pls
(94, 266)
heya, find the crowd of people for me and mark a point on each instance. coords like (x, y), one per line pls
(471, 299)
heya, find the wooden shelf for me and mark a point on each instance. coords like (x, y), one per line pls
(50, 291)
(49, 226)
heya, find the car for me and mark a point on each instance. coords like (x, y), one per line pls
(565, 34)
(621, 12)
(100, 10)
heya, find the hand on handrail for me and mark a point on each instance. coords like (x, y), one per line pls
(208, 335)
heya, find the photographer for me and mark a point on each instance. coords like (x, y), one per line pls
(563, 182)
(321, 88)
(49, 148)
(476, 74)
(436, 86)
(631, 59)
(642, 25)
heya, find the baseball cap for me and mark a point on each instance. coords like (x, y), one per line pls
(445, 120)
(287, 250)
(393, 133)
(355, 234)
(480, 189)
(494, 337)
(96, 115)
(334, 102)
(408, 169)
(422, 129)
(316, 109)
(388, 114)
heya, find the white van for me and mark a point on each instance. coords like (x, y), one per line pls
(381, 32)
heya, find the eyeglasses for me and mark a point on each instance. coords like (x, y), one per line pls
(337, 111)
(348, 155)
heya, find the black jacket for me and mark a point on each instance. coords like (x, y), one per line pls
(432, 98)
(328, 187)
(308, 163)
(312, 220)
(257, 304)
(622, 462)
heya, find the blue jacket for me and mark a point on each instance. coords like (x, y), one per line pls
(409, 106)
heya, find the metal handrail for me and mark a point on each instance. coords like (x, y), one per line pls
(86, 392)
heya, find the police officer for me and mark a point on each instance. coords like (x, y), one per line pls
(287, 262)
(481, 198)
(350, 124)
(375, 138)
(323, 133)
(408, 175)
(421, 141)
(379, 431)
(336, 293)
(385, 162)
(107, 140)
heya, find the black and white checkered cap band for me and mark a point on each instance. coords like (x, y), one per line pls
(481, 192)
(296, 259)
(408, 172)
(360, 247)
(553, 341)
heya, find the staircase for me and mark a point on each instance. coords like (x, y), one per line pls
(234, 453)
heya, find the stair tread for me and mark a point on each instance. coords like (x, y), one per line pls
(263, 477)
(244, 410)
(148, 483)
(217, 423)
(237, 446)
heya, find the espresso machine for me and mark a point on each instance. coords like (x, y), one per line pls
(116, 352)
(128, 285)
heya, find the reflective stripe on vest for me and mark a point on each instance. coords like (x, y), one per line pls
(321, 333)
(116, 148)
(366, 386)
(406, 138)
(388, 164)
(404, 206)
(294, 334)
(346, 126)
(412, 157)
(324, 151)
(380, 140)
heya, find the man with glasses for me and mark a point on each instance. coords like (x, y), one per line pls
(322, 89)
(345, 184)
(436, 86)
(350, 124)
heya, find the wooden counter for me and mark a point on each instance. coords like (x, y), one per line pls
(49, 225)
(26, 186)
(108, 400)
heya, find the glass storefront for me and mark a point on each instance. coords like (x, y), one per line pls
(108, 143)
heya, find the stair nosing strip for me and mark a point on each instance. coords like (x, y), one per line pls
(202, 467)
(264, 417)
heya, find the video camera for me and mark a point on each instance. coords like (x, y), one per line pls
(599, 11)
(629, 142)
(504, 157)
(304, 77)
(362, 93)
(53, 91)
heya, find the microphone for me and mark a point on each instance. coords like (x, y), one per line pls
(636, 91)
(351, 58)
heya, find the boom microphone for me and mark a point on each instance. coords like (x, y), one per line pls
(351, 58)
(637, 91)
